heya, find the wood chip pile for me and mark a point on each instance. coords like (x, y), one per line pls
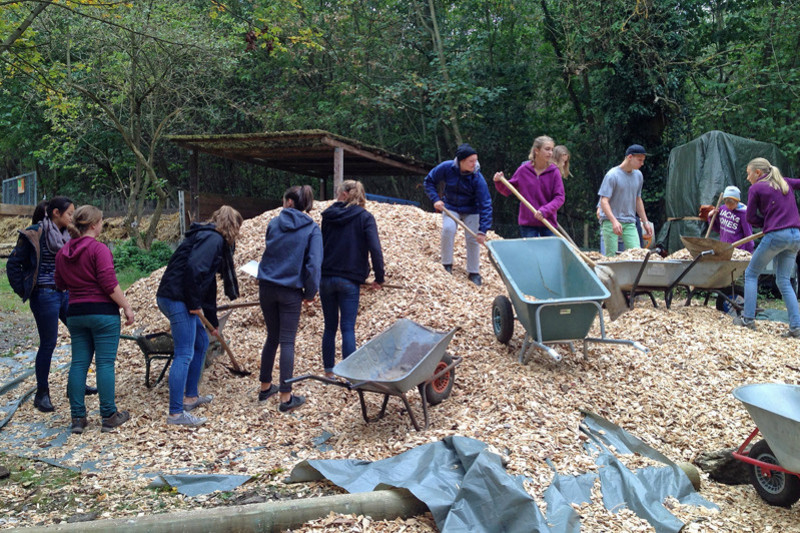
(677, 397)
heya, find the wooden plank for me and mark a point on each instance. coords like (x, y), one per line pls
(13, 210)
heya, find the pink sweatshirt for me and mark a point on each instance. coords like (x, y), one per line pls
(85, 268)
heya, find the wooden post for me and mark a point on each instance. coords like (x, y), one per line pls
(194, 187)
(338, 168)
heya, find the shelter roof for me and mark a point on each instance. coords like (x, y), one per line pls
(307, 152)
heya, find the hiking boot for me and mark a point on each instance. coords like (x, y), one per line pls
(265, 395)
(293, 403)
(793, 332)
(476, 279)
(115, 420)
(448, 268)
(199, 401)
(187, 419)
(42, 402)
(744, 322)
(78, 424)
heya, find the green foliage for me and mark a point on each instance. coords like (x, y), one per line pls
(129, 256)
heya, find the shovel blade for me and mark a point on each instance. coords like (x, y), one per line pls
(615, 303)
(723, 251)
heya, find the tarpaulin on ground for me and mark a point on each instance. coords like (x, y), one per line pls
(699, 171)
(467, 489)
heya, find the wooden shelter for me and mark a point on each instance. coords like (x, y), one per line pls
(316, 153)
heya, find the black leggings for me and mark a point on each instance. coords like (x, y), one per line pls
(281, 309)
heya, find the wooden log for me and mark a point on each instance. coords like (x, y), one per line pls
(721, 466)
(14, 210)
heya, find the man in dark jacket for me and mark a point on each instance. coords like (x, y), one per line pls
(466, 196)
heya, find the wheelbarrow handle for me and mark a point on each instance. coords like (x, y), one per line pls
(235, 305)
(329, 381)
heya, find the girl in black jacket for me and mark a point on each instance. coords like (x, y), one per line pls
(31, 270)
(349, 238)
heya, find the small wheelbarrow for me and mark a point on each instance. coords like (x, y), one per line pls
(404, 356)
(775, 461)
(160, 347)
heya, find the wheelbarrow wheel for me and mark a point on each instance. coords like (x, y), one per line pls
(440, 388)
(776, 488)
(724, 305)
(502, 319)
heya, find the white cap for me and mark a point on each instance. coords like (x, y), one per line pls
(732, 192)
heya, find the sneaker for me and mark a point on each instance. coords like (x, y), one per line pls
(793, 332)
(293, 403)
(476, 279)
(199, 401)
(115, 420)
(187, 419)
(744, 322)
(78, 424)
(448, 268)
(265, 395)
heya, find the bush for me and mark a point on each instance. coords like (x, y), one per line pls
(128, 256)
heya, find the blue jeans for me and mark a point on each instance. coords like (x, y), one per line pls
(782, 247)
(47, 306)
(281, 309)
(338, 294)
(93, 336)
(191, 342)
(534, 231)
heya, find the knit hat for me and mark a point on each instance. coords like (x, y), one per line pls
(464, 151)
(732, 192)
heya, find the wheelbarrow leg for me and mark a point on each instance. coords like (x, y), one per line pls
(382, 412)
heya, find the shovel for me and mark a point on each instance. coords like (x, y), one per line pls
(460, 223)
(714, 217)
(236, 369)
(615, 303)
(721, 251)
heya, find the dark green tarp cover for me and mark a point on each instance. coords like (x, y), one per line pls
(699, 171)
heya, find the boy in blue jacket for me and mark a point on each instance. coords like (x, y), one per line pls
(466, 196)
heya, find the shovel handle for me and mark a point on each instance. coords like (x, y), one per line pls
(460, 223)
(714, 217)
(547, 224)
(224, 344)
(752, 237)
(234, 306)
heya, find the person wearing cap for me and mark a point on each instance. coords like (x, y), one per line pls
(466, 196)
(539, 182)
(731, 220)
(621, 200)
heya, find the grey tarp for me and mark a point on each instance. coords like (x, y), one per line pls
(701, 169)
(468, 491)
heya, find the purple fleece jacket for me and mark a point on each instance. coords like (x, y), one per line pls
(770, 209)
(732, 226)
(545, 192)
(85, 268)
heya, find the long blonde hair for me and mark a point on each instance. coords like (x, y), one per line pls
(227, 221)
(773, 174)
(560, 152)
(84, 218)
(538, 142)
(354, 191)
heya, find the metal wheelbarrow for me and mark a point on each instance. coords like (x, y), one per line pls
(555, 295)
(775, 461)
(405, 356)
(160, 347)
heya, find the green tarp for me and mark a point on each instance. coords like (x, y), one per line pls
(700, 170)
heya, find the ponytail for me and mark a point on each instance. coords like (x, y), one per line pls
(771, 175)
(45, 208)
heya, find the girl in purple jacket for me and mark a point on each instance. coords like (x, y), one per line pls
(731, 222)
(539, 181)
(771, 205)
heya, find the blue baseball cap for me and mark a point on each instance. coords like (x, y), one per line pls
(635, 149)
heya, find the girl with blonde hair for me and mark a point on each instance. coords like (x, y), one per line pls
(349, 240)
(539, 181)
(85, 267)
(771, 205)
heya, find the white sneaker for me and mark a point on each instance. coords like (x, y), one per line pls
(187, 419)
